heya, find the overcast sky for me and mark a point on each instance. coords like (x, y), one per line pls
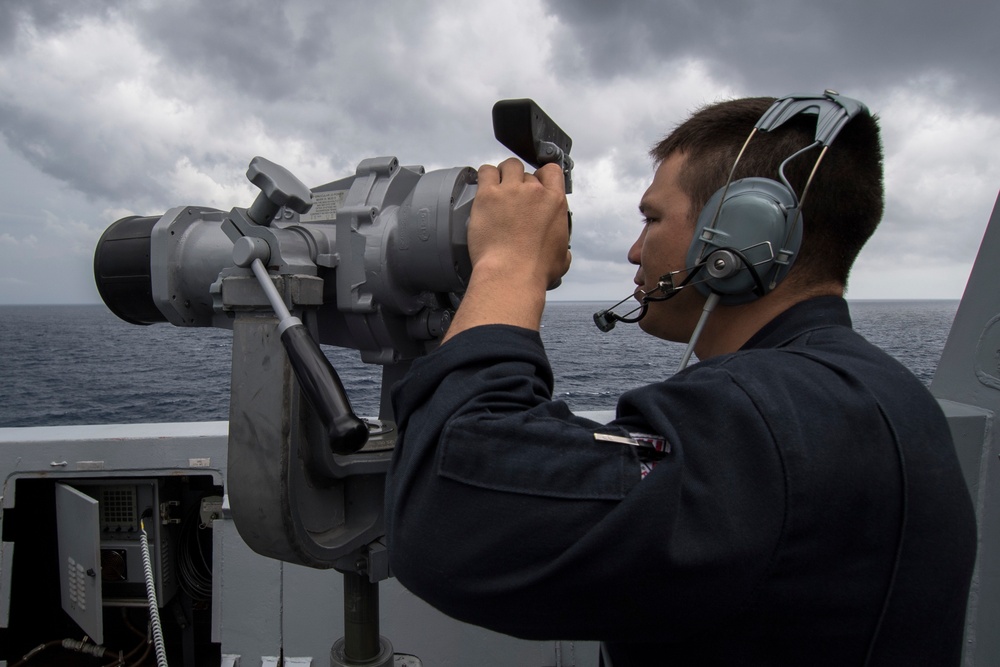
(118, 107)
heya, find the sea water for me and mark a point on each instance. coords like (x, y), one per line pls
(65, 365)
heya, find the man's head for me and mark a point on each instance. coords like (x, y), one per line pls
(840, 212)
(845, 199)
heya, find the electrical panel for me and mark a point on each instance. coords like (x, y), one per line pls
(99, 525)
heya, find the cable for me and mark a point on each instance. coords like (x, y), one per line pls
(134, 630)
(671, 290)
(80, 646)
(757, 282)
(142, 658)
(154, 611)
(144, 641)
(35, 651)
(117, 662)
(710, 303)
(195, 573)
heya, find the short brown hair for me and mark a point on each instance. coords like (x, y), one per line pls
(845, 200)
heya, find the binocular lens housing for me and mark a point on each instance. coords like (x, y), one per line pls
(122, 270)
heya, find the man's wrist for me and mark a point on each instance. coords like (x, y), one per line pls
(500, 294)
(511, 269)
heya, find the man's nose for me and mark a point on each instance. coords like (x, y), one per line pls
(635, 252)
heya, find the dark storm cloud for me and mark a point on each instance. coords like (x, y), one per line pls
(334, 78)
(316, 69)
(774, 46)
(252, 48)
(96, 165)
(20, 17)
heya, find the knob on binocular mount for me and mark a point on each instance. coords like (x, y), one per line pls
(278, 187)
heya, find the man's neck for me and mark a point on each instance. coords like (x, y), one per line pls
(729, 327)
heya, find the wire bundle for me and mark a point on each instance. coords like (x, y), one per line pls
(154, 611)
(193, 568)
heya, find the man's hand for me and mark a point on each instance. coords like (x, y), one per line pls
(518, 243)
(519, 222)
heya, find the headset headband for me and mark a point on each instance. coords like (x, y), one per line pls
(832, 117)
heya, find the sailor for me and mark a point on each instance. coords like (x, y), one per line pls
(793, 498)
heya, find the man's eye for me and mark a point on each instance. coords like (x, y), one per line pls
(646, 220)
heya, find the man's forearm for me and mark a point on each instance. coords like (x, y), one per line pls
(496, 295)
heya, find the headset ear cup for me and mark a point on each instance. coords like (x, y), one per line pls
(757, 224)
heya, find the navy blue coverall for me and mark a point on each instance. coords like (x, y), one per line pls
(809, 510)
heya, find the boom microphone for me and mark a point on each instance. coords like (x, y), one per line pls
(665, 289)
(606, 319)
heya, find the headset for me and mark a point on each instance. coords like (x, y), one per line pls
(749, 233)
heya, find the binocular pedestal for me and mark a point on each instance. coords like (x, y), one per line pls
(296, 501)
(361, 643)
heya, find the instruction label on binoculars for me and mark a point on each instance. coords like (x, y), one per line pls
(325, 206)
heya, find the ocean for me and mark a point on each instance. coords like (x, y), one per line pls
(66, 365)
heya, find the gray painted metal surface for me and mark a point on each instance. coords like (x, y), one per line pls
(261, 608)
(80, 559)
(967, 384)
